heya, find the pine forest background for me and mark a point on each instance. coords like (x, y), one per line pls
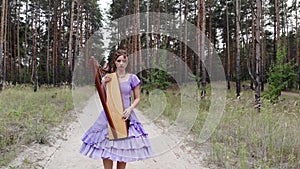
(257, 41)
(46, 43)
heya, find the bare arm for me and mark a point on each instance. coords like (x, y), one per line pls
(136, 95)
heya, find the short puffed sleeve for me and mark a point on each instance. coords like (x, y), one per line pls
(134, 81)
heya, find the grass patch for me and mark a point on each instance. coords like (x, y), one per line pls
(160, 105)
(27, 116)
(244, 138)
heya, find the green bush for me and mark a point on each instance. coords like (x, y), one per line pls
(280, 78)
(156, 79)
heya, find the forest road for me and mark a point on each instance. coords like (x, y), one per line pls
(63, 150)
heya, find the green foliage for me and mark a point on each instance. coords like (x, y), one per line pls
(281, 76)
(158, 78)
(155, 79)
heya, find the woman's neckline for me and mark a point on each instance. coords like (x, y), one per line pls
(125, 79)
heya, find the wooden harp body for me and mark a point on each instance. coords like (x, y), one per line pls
(112, 102)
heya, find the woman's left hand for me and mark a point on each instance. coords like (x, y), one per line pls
(127, 112)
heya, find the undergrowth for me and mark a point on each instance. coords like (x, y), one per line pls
(27, 116)
(244, 137)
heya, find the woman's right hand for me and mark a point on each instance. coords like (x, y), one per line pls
(105, 79)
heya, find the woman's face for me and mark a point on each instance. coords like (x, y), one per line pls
(121, 62)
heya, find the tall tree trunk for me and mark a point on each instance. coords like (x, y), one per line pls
(60, 73)
(33, 51)
(55, 44)
(252, 65)
(5, 40)
(263, 62)
(2, 40)
(39, 40)
(70, 51)
(210, 46)
(81, 22)
(258, 55)
(198, 63)
(285, 30)
(18, 42)
(276, 30)
(202, 46)
(238, 57)
(186, 12)
(27, 60)
(180, 37)
(297, 43)
(135, 37)
(48, 44)
(147, 36)
(139, 45)
(228, 48)
(9, 45)
(86, 42)
(14, 66)
(77, 36)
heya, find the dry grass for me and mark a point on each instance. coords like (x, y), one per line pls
(27, 116)
(245, 138)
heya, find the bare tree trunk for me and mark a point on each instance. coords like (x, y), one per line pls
(70, 52)
(38, 42)
(258, 55)
(55, 44)
(228, 48)
(78, 21)
(286, 31)
(13, 50)
(60, 73)
(48, 44)
(13, 46)
(18, 42)
(135, 37)
(34, 59)
(10, 56)
(147, 36)
(276, 30)
(202, 47)
(263, 62)
(181, 38)
(26, 43)
(210, 47)
(123, 40)
(139, 45)
(87, 43)
(2, 56)
(80, 28)
(238, 57)
(198, 46)
(5, 40)
(297, 44)
(252, 65)
(186, 12)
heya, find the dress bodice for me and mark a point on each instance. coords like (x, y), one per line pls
(126, 87)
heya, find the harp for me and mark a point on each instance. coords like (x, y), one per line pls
(111, 100)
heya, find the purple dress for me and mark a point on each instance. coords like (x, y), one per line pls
(96, 144)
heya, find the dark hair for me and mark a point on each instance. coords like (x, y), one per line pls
(111, 67)
(118, 53)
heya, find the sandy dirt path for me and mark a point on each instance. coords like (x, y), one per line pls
(63, 152)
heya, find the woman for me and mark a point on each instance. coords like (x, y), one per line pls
(136, 147)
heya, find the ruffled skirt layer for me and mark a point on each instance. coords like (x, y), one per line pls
(96, 144)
